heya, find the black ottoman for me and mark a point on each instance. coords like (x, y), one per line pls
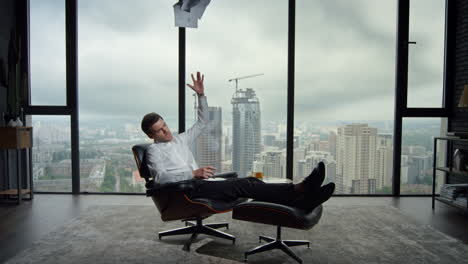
(278, 215)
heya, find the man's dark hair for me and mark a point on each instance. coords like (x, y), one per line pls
(148, 121)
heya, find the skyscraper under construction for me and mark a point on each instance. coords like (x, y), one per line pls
(245, 130)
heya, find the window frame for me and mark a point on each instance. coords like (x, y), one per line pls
(401, 83)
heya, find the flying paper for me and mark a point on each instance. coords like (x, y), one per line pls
(187, 12)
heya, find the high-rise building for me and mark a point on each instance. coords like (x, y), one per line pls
(313, 146)
(330, 172)
(301, 170)
(272, 164)
(227, 149)
(226, 166)
(257, 166)
(306, 165)
(416, 150)
(332, 143)
(418, 167)
(208, 149)
(299, 155)
(296, 141)
(246, 137)
(356, 148)
(269, 140)
(324, 146)
(384, 161)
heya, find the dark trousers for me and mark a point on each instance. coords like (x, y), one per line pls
(250, 187)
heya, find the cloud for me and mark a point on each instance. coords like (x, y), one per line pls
(345, 57)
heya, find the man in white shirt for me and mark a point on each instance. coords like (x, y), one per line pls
(169, 159)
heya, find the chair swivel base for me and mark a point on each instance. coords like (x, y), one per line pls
(198, 228)
(278, 243)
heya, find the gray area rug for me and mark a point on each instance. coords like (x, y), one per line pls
(127, 234)
(370, 234)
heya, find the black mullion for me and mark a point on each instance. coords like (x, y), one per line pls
(449, 73)
(424, 112)
(449, 56)
(182, 79)
(290, 103)
(71, 27)
(401, 88)
(23, 24)
(48, 110)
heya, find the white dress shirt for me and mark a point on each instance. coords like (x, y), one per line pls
(173, 161)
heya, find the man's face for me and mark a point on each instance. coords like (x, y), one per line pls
(161, 132)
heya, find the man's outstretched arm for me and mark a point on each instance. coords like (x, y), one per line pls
(202, 112)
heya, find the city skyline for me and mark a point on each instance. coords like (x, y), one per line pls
(105, 153)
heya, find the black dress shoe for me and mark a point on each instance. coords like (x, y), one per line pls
(315, 179)
(321, 171)
(312, 200)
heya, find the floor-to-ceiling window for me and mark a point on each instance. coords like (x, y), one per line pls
(344, 105)
(426, 53)
(425, 90)
(417, 154)
(344, 88)
(241, 47)
(51, 136)
(128, 67)
(47, 51)
(51, 153)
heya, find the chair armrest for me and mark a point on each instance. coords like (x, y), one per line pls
(171, 187)
(226, 175)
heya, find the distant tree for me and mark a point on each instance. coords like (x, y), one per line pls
(108, 185)
(384, 190)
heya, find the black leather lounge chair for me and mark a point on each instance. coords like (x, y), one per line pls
(280, 216)
(173, 203)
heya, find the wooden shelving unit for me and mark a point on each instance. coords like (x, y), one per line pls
(15, 192)
(19, 139)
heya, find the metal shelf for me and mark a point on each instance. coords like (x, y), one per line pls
(451, 202)
(447, 170)
(453, 172)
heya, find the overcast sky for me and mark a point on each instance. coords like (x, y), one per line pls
(345, 56)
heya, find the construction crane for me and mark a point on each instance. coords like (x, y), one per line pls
(243, 77)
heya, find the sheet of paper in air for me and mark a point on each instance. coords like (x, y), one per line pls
(183, 18)
(199, 8)
(187, 4)
(187, 12)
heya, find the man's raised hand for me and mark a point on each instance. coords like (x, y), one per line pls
(204, 172)
(197, 85)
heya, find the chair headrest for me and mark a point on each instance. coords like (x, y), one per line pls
(139, 152)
